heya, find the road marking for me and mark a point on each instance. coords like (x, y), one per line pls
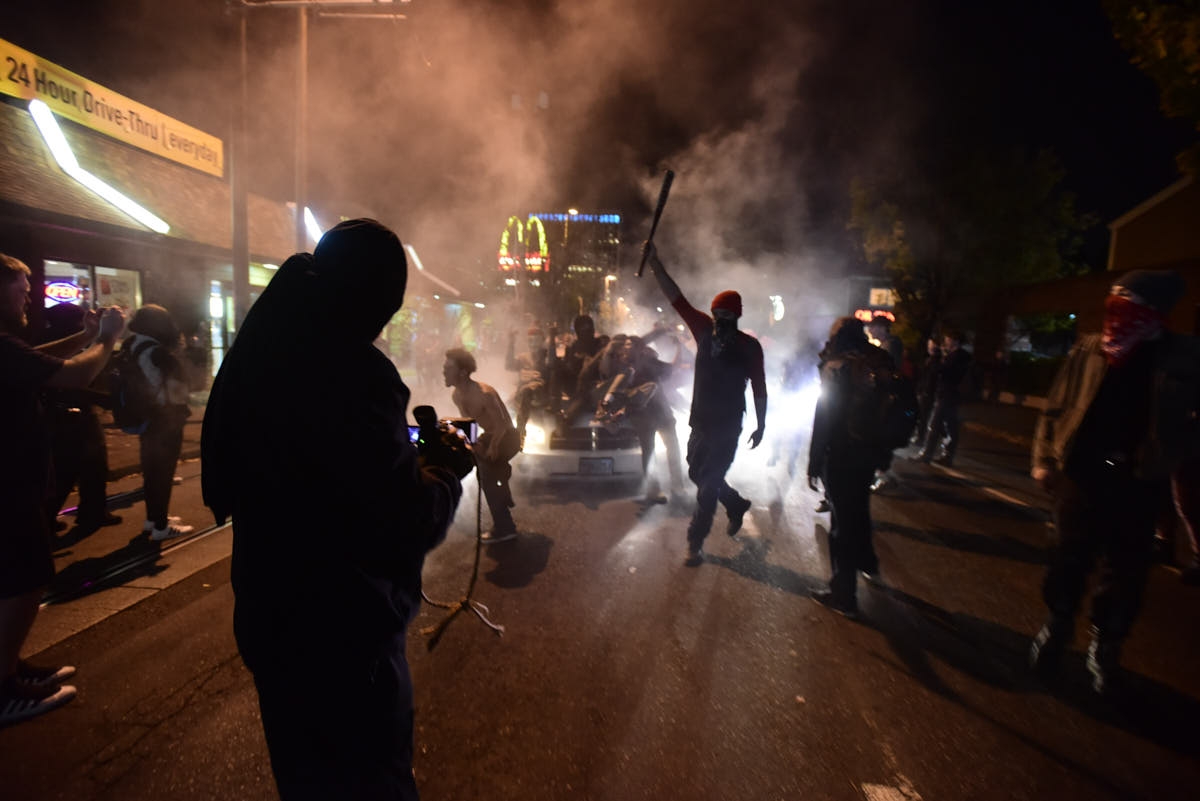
(882, 792)
(1004, 496)
(995, 493)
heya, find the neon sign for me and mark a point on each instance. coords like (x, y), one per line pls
(867, 315)
(63, 292)
(536, 260)
(533, 259)
(506, 260)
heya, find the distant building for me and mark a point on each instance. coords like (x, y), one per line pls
(560, 264)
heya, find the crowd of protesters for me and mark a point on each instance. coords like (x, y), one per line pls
(1115, 447)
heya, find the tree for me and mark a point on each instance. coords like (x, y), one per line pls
(974, 225)
(1163, 39)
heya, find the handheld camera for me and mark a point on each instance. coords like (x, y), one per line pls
(444, 443)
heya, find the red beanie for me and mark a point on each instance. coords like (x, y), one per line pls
(729, 301)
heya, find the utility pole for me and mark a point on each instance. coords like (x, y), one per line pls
(324, 8)
(237, 187)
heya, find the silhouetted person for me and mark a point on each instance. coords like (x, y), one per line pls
(844, 464)
(497, 444)
(927, 383)
(1119, 420)
(726, 360)
(305, 444)
(78, 448)
(26, 561)
(157, 347)
(532, 369)
(944, 421)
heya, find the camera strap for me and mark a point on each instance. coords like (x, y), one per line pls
(466, 603)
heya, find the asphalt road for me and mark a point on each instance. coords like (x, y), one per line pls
(623, 674)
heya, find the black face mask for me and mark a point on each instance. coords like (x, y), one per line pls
(723, 334)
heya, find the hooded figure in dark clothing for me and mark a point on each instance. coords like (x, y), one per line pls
(305, 445)
(1120, 418)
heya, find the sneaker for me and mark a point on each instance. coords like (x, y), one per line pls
(847, 609)
(1046, 650)
(36, 677)
(883, 481)
(695, 556)
(18, 703)
(172, 520)
(493, 536)
(737, 516)
(822, 507)
(1103, 663)
(169, 532)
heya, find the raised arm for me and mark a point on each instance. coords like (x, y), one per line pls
(667, 284)
(80, 370)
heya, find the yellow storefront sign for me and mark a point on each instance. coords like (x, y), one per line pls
(24, 75)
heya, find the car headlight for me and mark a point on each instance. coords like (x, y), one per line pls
(535, 435)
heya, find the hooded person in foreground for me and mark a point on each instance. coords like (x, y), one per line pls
(1119, 418)
(305, 445)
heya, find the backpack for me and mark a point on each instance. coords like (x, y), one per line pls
(131, 397)
(882, 403)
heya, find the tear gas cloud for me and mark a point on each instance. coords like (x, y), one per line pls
(417, 122)
(758, 107)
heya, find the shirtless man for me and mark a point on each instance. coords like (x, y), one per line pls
(496, 446)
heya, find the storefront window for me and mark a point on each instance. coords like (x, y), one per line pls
(94, 287)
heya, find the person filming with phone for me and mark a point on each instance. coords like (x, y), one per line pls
(306, 446)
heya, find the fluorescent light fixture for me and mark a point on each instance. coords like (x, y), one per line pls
(480, 306)
(270, 266)
(61, 150)
(412, 252)
(310, 224)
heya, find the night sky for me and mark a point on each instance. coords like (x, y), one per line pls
(765, 112)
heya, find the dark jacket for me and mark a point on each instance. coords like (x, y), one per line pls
(305, 444)
(831, 435)
(1173, 433)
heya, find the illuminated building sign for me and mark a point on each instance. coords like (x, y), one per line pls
(29, 77)
(611, 219)
(507, 261)
(524, 253)
(882, 297)
(63, 292)
(867, 315)
(536, 260)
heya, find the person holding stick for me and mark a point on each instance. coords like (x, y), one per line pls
(726, 359)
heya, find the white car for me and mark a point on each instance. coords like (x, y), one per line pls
(590, 452)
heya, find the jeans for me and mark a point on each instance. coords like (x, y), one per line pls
(847, 479)
(1109, 515)
(341, 729)
(709, 455)
(159, 445)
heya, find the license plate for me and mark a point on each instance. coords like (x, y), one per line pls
(595, 467)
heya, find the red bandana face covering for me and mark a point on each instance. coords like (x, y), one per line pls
(1126, 324)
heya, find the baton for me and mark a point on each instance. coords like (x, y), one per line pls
(658, 210)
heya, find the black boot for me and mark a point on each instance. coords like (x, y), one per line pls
(1045, 653)
(1103, 662)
